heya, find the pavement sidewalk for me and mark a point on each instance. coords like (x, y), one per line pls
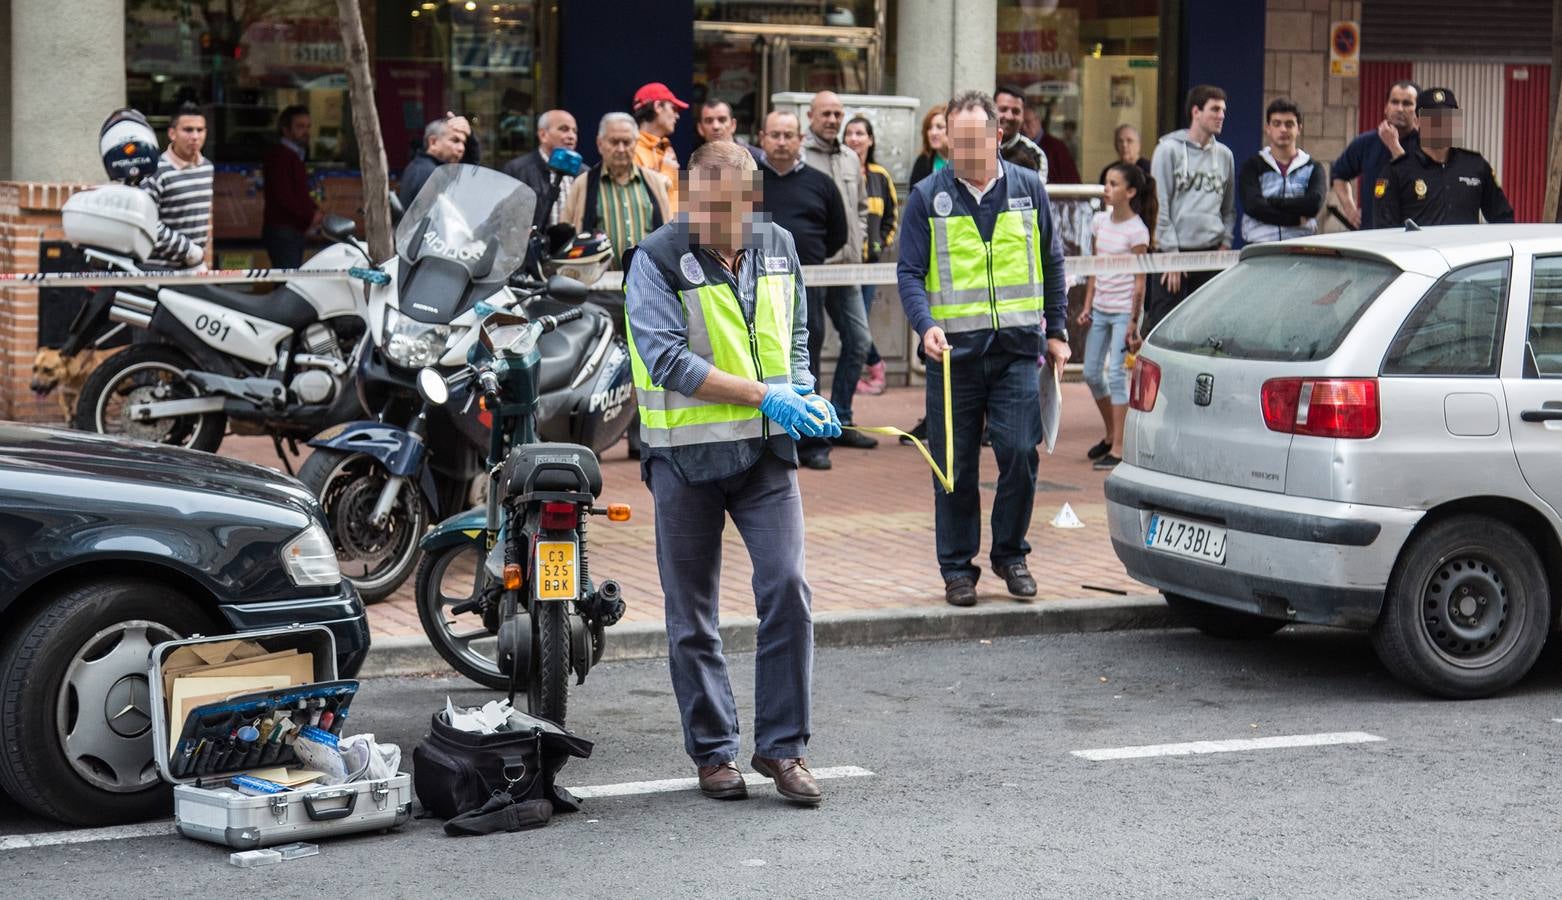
(870, 530)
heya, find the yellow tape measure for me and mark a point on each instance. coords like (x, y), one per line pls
(946, 476)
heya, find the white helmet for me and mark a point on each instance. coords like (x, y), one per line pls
(128, 146)
(584, 257)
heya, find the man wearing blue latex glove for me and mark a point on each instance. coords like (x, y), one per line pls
(718, 341)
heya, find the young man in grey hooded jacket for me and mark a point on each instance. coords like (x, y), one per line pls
(1195, 178)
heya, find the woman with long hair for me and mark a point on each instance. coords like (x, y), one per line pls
(858, 135)
(935, 145)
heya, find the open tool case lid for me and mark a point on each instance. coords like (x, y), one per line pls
(313, 639)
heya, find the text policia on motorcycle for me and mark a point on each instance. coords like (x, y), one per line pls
(719, 346)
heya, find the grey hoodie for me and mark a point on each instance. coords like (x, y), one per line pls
(1198, 193)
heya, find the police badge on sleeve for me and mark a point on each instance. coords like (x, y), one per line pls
(691, 268)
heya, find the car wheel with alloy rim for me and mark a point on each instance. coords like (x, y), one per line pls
(75, 704)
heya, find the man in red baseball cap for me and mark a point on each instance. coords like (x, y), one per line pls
(656, 110)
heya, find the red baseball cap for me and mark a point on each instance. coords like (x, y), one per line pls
(655, 91)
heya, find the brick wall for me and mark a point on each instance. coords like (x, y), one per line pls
(29, 215)
(1296, 65)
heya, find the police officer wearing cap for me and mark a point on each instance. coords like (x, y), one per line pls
(981, 280)
(718, 342)
(1439, 183)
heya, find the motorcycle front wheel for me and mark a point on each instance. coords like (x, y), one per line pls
(376, 559)
(143, 373)
(547, 688)
(448, 578)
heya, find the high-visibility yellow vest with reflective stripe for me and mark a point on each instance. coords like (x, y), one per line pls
(720, 334)
(974, 284)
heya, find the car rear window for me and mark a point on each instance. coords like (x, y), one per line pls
(1289, 307)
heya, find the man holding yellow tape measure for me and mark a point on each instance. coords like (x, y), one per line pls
(981, 280)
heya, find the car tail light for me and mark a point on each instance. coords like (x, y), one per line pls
(1146, 385)
(1322, 407)
(558, 516)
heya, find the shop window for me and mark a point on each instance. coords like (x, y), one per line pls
(1085, 67)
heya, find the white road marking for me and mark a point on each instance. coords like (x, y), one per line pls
(166, 826)
(87, 835)
(1231, 746)
(668, 785)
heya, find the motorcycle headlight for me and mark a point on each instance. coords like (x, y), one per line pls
(413, 344)
(309, 558)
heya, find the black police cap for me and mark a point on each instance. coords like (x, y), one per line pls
(1436, 98)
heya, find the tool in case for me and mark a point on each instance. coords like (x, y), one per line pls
(279, 698)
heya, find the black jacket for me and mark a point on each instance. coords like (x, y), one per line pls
(806, 202)
(532, 170)
(1451, 193)
(413, 176)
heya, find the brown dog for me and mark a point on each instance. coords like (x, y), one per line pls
(51, 371)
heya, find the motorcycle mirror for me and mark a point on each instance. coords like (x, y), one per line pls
(432, 387)
(338, 228)
(396, 209)
(562, 287)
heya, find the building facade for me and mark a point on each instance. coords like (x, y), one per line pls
(1085, 66)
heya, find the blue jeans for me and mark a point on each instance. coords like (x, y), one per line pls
(1000, 388)
(844, 307)
(867, 310)
(1105, 347)
(767, 508)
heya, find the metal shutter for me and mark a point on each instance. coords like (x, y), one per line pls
(1514, 31)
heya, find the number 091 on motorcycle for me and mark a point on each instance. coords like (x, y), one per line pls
(556, 570)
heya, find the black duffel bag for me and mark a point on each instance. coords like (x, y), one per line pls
(482, 783)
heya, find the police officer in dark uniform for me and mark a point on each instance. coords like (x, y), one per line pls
(1439, 184)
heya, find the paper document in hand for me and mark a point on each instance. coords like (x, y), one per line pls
(1051, 390)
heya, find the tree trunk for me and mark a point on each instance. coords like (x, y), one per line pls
(366, 126)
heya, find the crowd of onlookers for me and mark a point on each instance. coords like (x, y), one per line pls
(822, 183)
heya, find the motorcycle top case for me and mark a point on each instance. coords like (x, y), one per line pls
(206, 808)
(115, 217)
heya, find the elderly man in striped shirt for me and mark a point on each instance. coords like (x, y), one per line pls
(182, 188)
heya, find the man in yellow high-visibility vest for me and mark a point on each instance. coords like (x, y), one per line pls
(981, 279)
(718, 341)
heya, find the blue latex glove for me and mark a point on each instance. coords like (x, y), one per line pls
(785, 407)
(821, 405)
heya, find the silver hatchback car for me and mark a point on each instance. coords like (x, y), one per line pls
(1361, 430)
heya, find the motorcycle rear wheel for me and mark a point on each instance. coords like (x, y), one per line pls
(143, 372)
(547, 688)
(464, 641)
(348, 484)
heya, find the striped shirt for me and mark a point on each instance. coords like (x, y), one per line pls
(625, 211)
(183, 194)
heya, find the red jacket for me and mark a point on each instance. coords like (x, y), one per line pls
(287, 189)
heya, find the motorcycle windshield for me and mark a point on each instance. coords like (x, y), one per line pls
(478, 218)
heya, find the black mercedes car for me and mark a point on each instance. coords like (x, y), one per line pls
(109, 547)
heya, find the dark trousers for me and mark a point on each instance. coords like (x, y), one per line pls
(1000, 388)
(843, 306)
(284, 245)
(1161, 301)
(767, 508)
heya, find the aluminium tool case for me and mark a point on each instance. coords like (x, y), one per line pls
(207, 809)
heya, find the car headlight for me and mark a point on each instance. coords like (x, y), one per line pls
(413, 344)
(310, 559)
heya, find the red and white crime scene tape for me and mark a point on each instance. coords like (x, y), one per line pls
(814, 276)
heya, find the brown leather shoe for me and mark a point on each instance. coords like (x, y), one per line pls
(792, 778)
(723, 782)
